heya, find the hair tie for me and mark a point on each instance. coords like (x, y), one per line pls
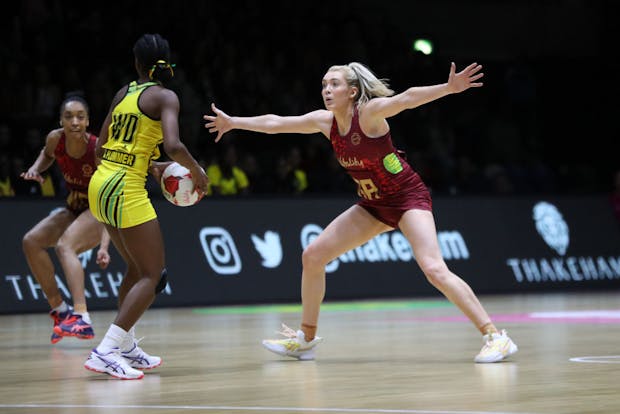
(164, 65)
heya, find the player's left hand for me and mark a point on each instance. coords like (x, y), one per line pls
(219, 123)
(103, 258)
(465, 79)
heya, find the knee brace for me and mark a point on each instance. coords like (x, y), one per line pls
(163, 281)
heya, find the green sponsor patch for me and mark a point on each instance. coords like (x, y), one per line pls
(392, 163)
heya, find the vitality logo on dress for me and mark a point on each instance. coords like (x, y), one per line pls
(392, 163)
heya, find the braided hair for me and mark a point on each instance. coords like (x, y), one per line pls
(152, 52)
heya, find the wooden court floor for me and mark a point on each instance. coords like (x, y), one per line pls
(406, 356)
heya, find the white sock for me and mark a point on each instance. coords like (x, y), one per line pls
(112, 339)
(85, 316)
(63, 307)
(129, 341)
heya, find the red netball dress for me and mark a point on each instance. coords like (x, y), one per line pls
(76, 172)
(385, 181)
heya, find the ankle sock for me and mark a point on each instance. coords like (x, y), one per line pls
(63, 307)
(85, 317)
(112, 339)
(129, 341)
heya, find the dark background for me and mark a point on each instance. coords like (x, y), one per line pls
(545, 121)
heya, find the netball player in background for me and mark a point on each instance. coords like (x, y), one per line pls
(142, 115)
(71, 229)
(392, 194)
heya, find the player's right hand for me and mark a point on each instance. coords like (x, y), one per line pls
(32, 175)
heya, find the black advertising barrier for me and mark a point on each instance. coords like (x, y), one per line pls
(249, 251)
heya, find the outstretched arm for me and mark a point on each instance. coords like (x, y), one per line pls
(310, 123)
(45, 159)
(413, 97)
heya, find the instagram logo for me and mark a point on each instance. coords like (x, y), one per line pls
(220, 250)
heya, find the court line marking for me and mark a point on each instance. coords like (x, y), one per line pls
(611, 316)
(354, 306)
(251, 408)
(599, 359)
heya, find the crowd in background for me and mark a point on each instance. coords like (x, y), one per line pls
(516, 135)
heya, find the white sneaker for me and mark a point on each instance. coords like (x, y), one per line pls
(111, 363)
(294, 345)
(137, 358)
(497, 346)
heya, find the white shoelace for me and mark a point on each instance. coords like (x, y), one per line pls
(287, 332)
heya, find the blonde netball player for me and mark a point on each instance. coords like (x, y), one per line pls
(142, 115)
(392, 194)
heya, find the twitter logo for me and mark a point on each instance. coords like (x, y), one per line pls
(269, 248)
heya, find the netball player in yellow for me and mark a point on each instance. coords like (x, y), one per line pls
(143, 114)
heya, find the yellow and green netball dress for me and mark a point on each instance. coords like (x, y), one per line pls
(117, 193)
